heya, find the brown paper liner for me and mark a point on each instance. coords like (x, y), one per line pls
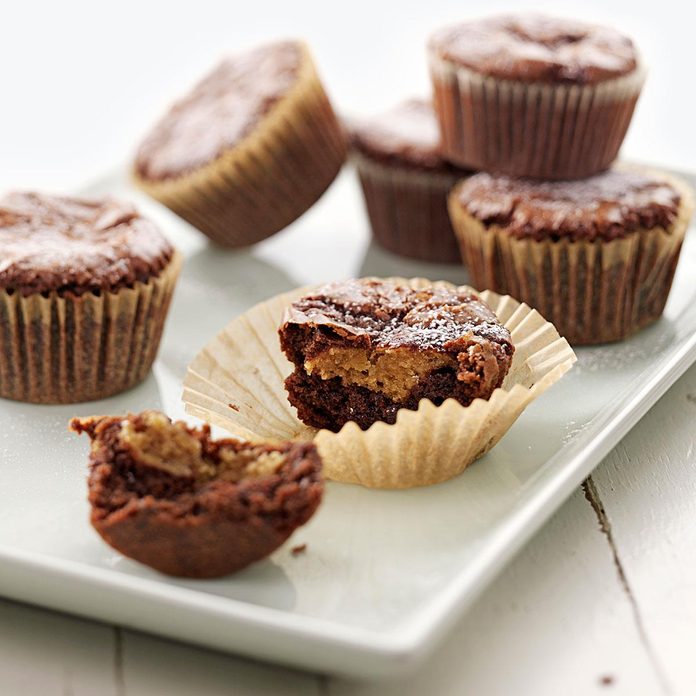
(592, 291)
(531, 129)
(269, 179)
(236, 382)
(58, 349)
(408, 210)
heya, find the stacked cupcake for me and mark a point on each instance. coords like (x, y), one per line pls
(539, 108)
(405, 180)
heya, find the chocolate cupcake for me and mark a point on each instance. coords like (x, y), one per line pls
(363, 349)
(528, 95)
(84, 291)
(250, 149)
(596, 256)
(405, 181)
(172, 498)
(238, 381)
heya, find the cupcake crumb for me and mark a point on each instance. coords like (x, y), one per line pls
(297, 550)
(607, 680)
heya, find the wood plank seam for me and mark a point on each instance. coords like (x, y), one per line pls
(593, 498)
(119, 678)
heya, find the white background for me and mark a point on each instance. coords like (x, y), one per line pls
(82, 80)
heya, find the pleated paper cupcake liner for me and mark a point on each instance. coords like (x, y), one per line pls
(592, 291)
(64, 349)
(269, 179)
(532, 129)
(236, 382)
(407, 209)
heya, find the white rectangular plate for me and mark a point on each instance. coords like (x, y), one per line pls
(385, 573)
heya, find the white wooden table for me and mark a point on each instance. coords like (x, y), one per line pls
(602, 601)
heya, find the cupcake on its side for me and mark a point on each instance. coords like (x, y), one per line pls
(171, 497)
(251, 148)
(529, 95)
(85, 288)
(596, 256)
(405, 181)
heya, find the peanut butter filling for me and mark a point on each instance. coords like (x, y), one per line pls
(250, 463)
(171, 448)
(392, 372)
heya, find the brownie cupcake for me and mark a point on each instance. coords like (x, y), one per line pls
(249, 150)
(534, 96)
(172, 498)
(362, 353)
(405, 181)
(596, 257)
(363, 349)
(84, 291)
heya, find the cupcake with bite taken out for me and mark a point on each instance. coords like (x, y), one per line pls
(173, 498)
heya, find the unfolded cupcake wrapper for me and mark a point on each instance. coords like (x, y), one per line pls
(408, 210)
(532, 129)
(236, 382)
(267, 181)
(592, 291)
(66, 349)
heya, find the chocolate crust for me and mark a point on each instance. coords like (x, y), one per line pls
(536, 48)
(386, 314)
(186, 527)
(608, 206)
(433, 343)
(74, 246)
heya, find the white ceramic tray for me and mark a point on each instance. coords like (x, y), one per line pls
(385, 573)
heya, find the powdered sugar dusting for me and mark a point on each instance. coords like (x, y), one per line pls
(397, 315)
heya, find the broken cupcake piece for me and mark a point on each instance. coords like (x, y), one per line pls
(363, 349)
(171, 497)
